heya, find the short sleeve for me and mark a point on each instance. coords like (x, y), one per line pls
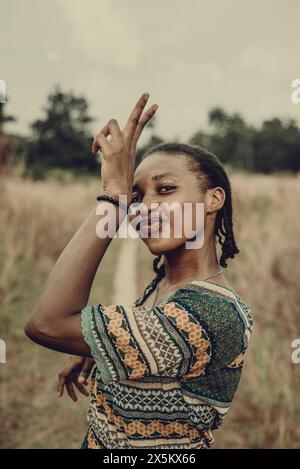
(133, 342)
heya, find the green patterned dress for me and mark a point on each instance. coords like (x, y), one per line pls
(166, 375)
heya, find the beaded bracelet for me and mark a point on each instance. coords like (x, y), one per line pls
(116, 202)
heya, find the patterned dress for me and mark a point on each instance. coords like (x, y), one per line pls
(165, 375)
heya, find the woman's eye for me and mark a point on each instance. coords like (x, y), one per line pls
(136, 199)
(167, 188)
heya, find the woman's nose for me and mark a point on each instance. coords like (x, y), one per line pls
(145, 208)
(150, 204)
(151, 209)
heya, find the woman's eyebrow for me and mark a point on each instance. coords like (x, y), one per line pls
(157, 177)
(163, 175)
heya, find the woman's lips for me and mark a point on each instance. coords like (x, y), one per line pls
(153, 227)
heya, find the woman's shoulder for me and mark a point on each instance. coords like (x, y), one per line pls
(216, 305)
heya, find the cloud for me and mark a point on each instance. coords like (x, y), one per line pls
(104, 32)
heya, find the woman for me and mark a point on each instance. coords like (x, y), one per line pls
(168, 365)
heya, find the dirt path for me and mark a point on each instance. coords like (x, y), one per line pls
(125, 284)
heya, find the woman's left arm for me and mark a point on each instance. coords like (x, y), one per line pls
(55, 321)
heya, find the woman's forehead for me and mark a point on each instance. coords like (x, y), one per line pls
(159, 164)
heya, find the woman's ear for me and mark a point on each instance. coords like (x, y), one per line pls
(214, 199)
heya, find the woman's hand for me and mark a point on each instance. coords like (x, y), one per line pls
(76, 372)
(118, 153)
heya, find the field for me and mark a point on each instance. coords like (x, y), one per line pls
(36, 222)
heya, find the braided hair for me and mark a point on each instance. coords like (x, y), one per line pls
(210, 173)
(160, 273)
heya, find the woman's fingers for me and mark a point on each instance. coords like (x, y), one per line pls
(85, 372)
(70, 374)
(111, 128)
(71, 391)
(99, 143)
(132, 130)
(81, 388)
(63, 376)
(60, 384)
(144, 120)
(134, 117)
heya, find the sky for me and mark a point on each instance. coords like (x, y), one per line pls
(189, 55)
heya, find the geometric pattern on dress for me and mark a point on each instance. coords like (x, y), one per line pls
(195, 334)
(165, 376)
(149, 400)
(202, 415)
(160, 327)
(121, 434)
(158, 335)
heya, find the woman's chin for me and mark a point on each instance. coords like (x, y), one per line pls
(159, 246)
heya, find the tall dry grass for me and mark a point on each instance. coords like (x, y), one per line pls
(266, 410)
(36, 222)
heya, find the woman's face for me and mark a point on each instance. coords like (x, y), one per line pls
(161, 180)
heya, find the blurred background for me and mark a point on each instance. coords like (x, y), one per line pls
(221, 73)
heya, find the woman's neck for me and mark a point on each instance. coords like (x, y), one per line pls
(189, 264)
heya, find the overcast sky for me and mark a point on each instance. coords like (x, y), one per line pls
(189, 55)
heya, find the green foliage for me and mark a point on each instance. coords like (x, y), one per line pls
(275, 146)
(62, 139)
(4, 118)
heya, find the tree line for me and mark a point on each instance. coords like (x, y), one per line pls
(62, 140)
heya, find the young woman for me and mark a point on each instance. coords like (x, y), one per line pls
(167, 366)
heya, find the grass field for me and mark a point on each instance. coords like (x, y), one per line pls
(36, 222)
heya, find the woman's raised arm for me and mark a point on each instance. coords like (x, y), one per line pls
(68, 287)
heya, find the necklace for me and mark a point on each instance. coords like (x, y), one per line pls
(204, 280)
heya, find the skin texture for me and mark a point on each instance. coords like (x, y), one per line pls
(55, 321)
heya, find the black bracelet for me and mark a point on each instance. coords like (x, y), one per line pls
(116, 202)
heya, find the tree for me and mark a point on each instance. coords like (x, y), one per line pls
(232, 139)
(277, 146)
(62, 139)
(4, 118)
(201, 139)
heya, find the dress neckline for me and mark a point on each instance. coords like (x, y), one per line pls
(216, 285)
(204, 284)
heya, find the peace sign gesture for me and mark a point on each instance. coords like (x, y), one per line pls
(118, 153)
